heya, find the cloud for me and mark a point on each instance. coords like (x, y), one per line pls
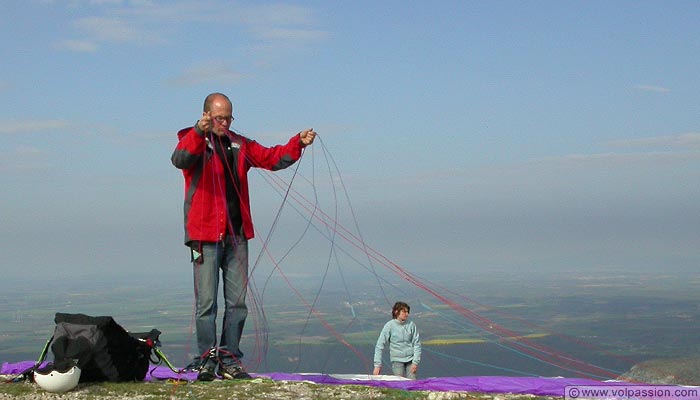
(619, 158)
(218, 72)
(651, 88)
(101, 2)
(201, 11)
(289, 35)
(661, 150)
(276, 15)
(272, 29)
(116, 30)
(131, 23)
(278, 28)
(78, 46)
(19, 127)
(28, 151)
(691, 140)
(24, 159)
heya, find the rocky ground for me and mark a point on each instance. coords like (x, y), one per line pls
(251, 389)
(677, 371)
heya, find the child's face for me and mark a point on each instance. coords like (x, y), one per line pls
(402, 315)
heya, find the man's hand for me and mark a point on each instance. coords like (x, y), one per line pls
(204, 123)
(377, 370)
(414, 368)
(307, 137)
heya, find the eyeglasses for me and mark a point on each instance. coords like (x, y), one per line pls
(223, 120)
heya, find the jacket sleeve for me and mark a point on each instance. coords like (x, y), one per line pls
(417, 349)
(273, 158)
(383, 339)
(189, 149)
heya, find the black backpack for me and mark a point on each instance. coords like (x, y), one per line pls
(102, 349)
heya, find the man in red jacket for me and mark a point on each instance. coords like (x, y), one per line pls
(215, 161)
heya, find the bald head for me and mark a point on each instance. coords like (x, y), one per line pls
(213, 98)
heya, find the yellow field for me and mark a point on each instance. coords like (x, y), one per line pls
(447, 341)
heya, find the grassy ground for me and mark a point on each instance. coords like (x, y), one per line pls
(256, 389)
(249, 389)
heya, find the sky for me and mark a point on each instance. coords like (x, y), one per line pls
(470, 137)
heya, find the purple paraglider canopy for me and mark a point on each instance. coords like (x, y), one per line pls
(541, 386)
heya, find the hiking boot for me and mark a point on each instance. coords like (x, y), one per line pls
(233, 372)
(206, 374)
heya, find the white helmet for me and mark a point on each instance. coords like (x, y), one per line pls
(57, 382)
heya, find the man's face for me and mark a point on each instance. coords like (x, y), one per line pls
(221, 115)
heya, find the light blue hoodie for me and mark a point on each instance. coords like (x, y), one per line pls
(404, 342)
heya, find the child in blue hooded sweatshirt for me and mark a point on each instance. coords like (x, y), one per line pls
(404, 343)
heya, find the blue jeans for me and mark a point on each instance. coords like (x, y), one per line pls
(402, 369)
(231, 258)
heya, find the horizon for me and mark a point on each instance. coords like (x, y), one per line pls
(602, 321)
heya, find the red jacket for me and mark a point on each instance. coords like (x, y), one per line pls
(206, 216)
